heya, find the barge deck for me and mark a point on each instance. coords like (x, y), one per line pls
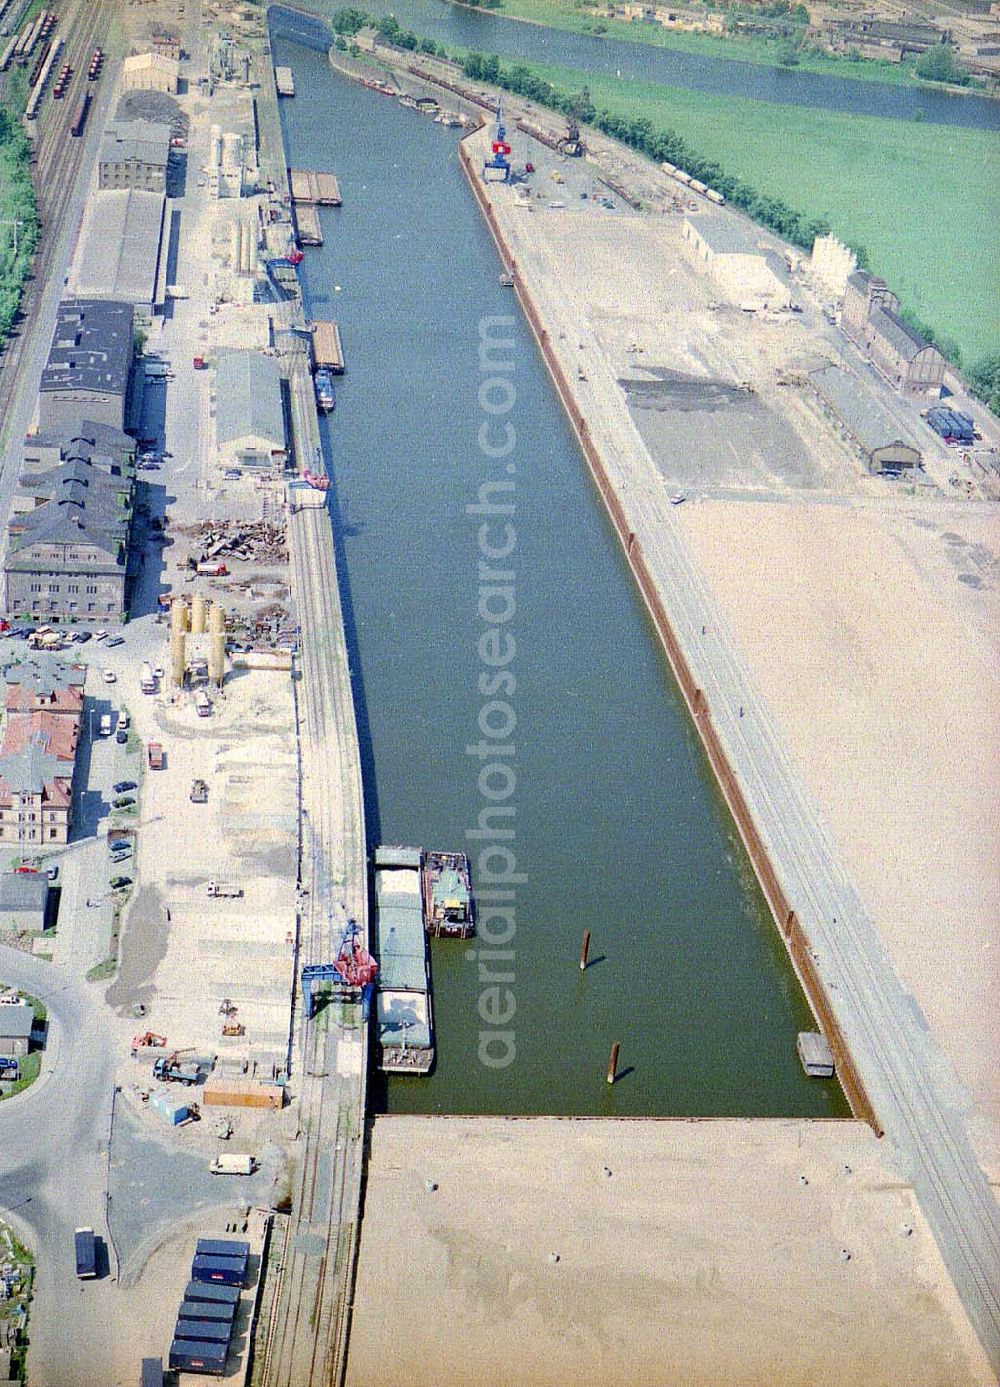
(404, 1020)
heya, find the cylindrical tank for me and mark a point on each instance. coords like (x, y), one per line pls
(178, 614)
(236, 245)
(197, 614)
(217, 647)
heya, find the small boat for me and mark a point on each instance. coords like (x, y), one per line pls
(448, 907)
(507, 278)
(324, 390)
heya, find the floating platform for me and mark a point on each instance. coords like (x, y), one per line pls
(815, 1054)
(307, 227)
(310, 187)
(328, 349)
(404, 1024)
(284, 81)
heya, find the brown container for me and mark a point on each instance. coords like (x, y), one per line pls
(241, 1093)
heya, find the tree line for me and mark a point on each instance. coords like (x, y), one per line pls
(17, 203)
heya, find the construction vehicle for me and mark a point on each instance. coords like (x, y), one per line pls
(148, 1041)
(233, 1028)
(199, 792)
(571, 144)
(170, 1069)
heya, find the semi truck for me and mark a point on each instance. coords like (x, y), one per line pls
(224, 888)
(85, 1248)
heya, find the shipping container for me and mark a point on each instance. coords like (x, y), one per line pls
(211, 1293)
(229, 1270)
(205, 1310)
(203, 1331)
(222, 1247)
(152, 1372)
(242, 1093)
(188, 1357)
(85, 1247)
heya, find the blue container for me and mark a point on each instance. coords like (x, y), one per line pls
(202, 1332)
(212, 1292)
(204, 1310)
(229, 1271)
(189, 1357)
(221, 1247)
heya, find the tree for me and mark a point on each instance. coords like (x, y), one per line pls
(984, 378)
(938, 65)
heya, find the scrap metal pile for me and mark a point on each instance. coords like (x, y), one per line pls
(252, 541)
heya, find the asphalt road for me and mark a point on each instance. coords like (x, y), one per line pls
(53, 1159)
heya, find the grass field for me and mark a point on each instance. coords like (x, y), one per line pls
(918, 197)
(559, 14)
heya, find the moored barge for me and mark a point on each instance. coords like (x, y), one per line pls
(404, 1022)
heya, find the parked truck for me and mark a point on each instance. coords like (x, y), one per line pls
(233, 1165)
(147, 679)
(154, 755)
(171, 1069)
(224, 888)
(85, 1247)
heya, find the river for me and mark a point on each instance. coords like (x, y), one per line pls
(619, 827)
(457, 26)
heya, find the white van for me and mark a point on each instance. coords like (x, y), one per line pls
(105, 724)
(233, 1165)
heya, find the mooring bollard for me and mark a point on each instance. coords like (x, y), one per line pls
(613, 1062)
(584, 950)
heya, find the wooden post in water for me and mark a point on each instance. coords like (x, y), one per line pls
(584, 950)
(613, 1062)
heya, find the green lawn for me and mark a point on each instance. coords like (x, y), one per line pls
(29, 1067)
(558, 14)
(919, 197)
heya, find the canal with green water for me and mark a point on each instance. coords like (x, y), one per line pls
(617, 825)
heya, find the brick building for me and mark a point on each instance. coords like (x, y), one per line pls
(870, 318)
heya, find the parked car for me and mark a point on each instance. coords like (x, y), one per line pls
(110, 677)
(100, 635)
(158, 672)
(121, 736)
(52, 873)
(83, 637)
(116, 640)
(27, 867)
(123, 801)
(232, 474)
(120, 883)
(123, 787)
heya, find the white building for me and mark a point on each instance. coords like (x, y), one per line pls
(151, 72)
(747, 272)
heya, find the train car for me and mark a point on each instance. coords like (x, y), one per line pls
(80, 116)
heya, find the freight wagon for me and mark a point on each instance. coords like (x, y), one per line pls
(80, 116)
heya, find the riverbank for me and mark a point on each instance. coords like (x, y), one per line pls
(547, 14)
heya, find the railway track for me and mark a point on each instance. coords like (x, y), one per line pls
(58, 159)
(306, 1338)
